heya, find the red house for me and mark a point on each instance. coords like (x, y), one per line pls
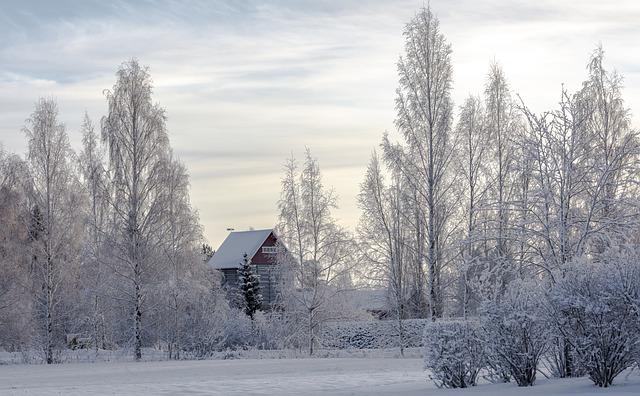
(260, 248)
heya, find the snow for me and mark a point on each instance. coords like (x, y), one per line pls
(336, 376)
(230, 253)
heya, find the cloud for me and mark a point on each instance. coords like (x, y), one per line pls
(247, 83)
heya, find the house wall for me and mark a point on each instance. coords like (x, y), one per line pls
(268, 283)
(230, 277)
(263, 258)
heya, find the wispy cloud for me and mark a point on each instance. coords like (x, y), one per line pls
(245, 83)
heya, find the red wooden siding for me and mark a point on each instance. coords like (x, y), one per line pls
(265, 258)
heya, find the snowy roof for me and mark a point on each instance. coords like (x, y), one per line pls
(230, 253)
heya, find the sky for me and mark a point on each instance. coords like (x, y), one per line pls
(247, 84)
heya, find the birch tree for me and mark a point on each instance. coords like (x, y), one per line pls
(15, 302)
(321, 252)
(471, 162)
(182, 237)
(135, 133)
(94, 178)
(424, 111)
(581, 180)
(582, 173)
(560, 149)
(614, 151)
(383, 231)
(502, 128)
(55, 213)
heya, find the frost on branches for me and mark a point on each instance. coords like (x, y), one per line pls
(595, 305)
(453, 353)
(320, 257)
(516, 335)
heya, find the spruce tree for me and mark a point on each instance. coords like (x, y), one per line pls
(249, 283)
(207, 252)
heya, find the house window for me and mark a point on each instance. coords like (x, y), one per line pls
(269, 250)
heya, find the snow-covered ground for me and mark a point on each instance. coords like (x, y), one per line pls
(335, 376)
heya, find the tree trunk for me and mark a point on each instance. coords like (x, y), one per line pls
(49, 342)
(96, 325)
(568, 360)
(310, 332)
(137, 349)
(401, 329)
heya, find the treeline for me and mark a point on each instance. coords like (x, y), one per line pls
(498, 215)
(102, 247)
(507, 217)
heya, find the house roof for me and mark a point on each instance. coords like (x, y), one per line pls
(237, 243)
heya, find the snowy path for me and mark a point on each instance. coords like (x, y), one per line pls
(374, 376)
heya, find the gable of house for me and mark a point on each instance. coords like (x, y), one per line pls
(266, 254)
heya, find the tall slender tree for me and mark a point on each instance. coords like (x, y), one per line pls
(135, 133)
(383, 232)
(501, 124)
(15, 302)
(181, 240)
(320, 252)
(424, 108)
(471, 163)
(55, 202)
(93, 173)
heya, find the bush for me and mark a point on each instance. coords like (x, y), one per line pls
(372, 334)
(514, 332)
(453, 353)
(595, 307)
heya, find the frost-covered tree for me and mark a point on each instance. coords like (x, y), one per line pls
(249, 287)
(613, 154)
(180, 240)
(134, 132)
(15, 302)
(581, 179)
(94, 179)
(56, 222)
(560, 150)
(424, 113)
(384, 234)
(471, 163)
(320, 253)
(502, 127)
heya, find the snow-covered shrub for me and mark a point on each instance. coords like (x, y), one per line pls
(453, 353)
(206, 328)
(275, 330)
(238, 330)
(594, 305)
(514, 332)
(561, 360)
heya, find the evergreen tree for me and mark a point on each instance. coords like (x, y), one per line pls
(207, 252)
(249, 283)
